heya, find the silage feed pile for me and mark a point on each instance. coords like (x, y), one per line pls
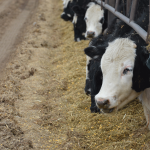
(78, 128)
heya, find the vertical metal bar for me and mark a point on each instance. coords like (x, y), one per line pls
(102, 5)
(133, 9)
(148, 32)
(116, 6)
(129, 2)
(110, 15)
(132, 24)
(106, 1)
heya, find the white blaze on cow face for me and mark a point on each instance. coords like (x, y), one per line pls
(94, 19)
(75, 19)
(87, 63)
(117, 66)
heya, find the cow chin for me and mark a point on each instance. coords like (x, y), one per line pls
(107, 110)
(89, 37)
(115, 102)
(65, 17)
(129, 98)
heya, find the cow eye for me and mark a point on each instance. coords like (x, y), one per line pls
(125, 71)
(85, 19)
(102, 20)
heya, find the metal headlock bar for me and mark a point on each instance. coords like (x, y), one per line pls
(129, 21)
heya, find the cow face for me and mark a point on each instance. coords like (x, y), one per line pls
(117, 66)
(67, 14)
(94, 19)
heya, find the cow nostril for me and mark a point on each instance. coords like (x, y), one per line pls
(106, 101)
(90, 33)
(103, 104)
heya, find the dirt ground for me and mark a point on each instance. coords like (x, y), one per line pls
(42, 99)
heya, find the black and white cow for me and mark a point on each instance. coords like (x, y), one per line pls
(91, 16)
(79, 9)
(67, 14)
(75, 11)
(96, 18)
(94, 74)
(124, 70)
(114, 92)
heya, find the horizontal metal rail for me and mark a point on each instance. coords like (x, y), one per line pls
(131, 23)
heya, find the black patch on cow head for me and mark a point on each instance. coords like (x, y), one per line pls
(78, 10)
(67, 11)
(66, 17)
(141, 73)
(95, 52)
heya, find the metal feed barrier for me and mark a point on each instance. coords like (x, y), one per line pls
(112, 6)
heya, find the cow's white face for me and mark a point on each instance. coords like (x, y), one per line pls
(117, 66)
(94, 19)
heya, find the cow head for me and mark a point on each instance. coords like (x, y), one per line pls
(94, 19)
(125, 74)
(67, 14)
(117, 66)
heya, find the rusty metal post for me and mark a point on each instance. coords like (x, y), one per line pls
(110, 15)
(133, 10)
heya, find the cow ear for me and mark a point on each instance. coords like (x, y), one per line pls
(91, 51)
(78, 10)
(89, 5)
(94, 52)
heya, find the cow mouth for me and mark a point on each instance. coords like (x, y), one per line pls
(107, 110)
(90, 36)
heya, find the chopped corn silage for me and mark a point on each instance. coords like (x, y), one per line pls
(80, 128)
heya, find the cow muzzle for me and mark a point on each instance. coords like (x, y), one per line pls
(90, 34)
(104, 104)
(65, 17)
